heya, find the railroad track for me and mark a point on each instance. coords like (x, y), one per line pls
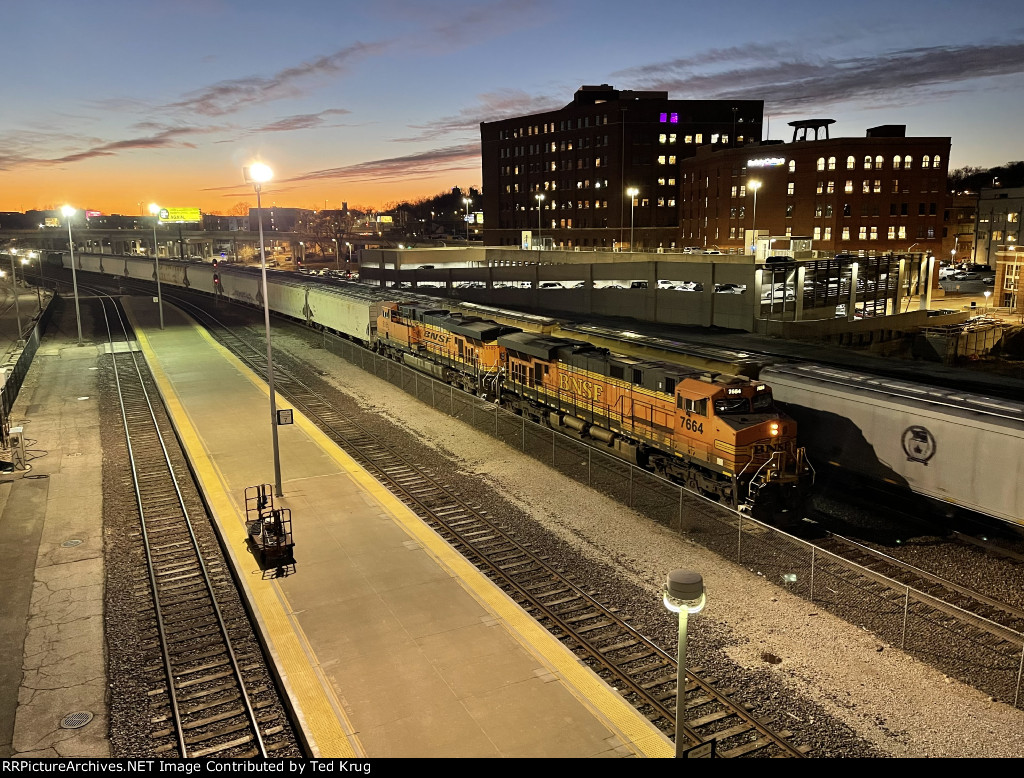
(209, 689)
(993, 620)
(643, 673)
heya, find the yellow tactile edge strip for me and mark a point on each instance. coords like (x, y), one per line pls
(635, 730)
(320, 715)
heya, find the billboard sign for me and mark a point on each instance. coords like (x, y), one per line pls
(479, 217)
(93, 214)
(385, 220)
(51, 221)
(180, 215)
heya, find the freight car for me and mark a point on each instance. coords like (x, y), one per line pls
(962, 450)
(717, 434)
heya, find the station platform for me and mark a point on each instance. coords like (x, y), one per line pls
(388, 643)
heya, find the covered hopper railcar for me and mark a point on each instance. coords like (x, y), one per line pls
(959, 449)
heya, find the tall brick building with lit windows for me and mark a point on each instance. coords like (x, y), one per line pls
(565, 173)
(880, 194)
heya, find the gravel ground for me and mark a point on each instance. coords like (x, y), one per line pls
(840, 689)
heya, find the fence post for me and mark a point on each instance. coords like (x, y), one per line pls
(739, 539)
(1016, 694)
(630, 503)
(451, 400)
(812, 573)
(680, 510)
(906, 613)
(524, 434)
(590, 478)
(552, 447)
(432, 382)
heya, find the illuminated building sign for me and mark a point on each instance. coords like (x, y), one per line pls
(767, 162)
(51, 221)
(93, 214)
(180, 215)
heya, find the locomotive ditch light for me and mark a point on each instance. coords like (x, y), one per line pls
(774, 428)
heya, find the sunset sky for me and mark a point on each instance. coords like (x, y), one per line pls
(110, 105)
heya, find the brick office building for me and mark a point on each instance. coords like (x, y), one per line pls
(880, 194)
(565, 173)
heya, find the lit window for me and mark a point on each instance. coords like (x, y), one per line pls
(895, 186)
(661, 182)
(874, 233)
(831, 188)
(663, 138)
(926, 161)
(734, 191)
(671, 202)
(821, 187)
(865, 187)
(673, 118)
(671, 137)
(828, 233)
(661, 159)
(792, 166)
(997, 234)
(790, 188)
(671, 182)
(907, 162)
(851, 163)
(1013, 217)
(817, 210)
(935, 161)
(661, 202)
(821, 163)
(732, 232)
(671, 159)
(849, 186)
(892, 232)
(831, 163)
(698, 138)
(902, 233)
(867, 163)
(879, 161)
(663, 118)
(863, 233)
(789, 232)
(743, 190)
(817, 233)
(688, 139)
(714, 138)
(789, 211)
(1011, 237)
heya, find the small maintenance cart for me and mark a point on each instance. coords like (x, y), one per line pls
(269, 528)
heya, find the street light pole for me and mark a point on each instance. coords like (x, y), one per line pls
(337, 255)
(683, 594)
(467, 201)
(155, 210)
(754, 186)
(14, 288)
(632, 192)
(540, 202)
(39, 297)
(256, 174)
(68, 212)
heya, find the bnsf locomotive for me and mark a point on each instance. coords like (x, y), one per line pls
(716, 433)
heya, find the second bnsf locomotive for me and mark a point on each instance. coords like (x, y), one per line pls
(717, 434)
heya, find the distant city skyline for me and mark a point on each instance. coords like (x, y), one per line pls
(113, 105)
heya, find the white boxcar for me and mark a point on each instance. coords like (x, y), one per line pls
(962, 449)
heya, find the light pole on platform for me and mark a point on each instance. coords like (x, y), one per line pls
(68, 212)
(155, 210)
(257, 174)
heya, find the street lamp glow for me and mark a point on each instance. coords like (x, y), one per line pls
(754, 186)
(987, 295)
(257, 174)
(683, 594)
(154, 209)
(68, 212)
(467, 202)
(632, 192)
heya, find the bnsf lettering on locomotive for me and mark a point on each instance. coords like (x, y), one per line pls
(440, 338)
(580, 386)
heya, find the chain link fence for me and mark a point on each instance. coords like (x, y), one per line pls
(970, 648)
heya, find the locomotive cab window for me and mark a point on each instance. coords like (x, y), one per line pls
(700, 407)
(727, 405)
(763, 402)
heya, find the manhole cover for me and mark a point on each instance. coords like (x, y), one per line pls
(70, 543)
(76, 720)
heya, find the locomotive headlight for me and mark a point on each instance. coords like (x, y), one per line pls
(774, 428)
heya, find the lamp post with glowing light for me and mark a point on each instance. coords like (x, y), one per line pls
(683, 594)
(632, 192)
(468, 202)
(68, 212)
(337, 255)
(39, 281)
(14, 288)
(754, 186)
(540, 202)
(987, 294)
(155, 210)
(257, 174)
(348, 262)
